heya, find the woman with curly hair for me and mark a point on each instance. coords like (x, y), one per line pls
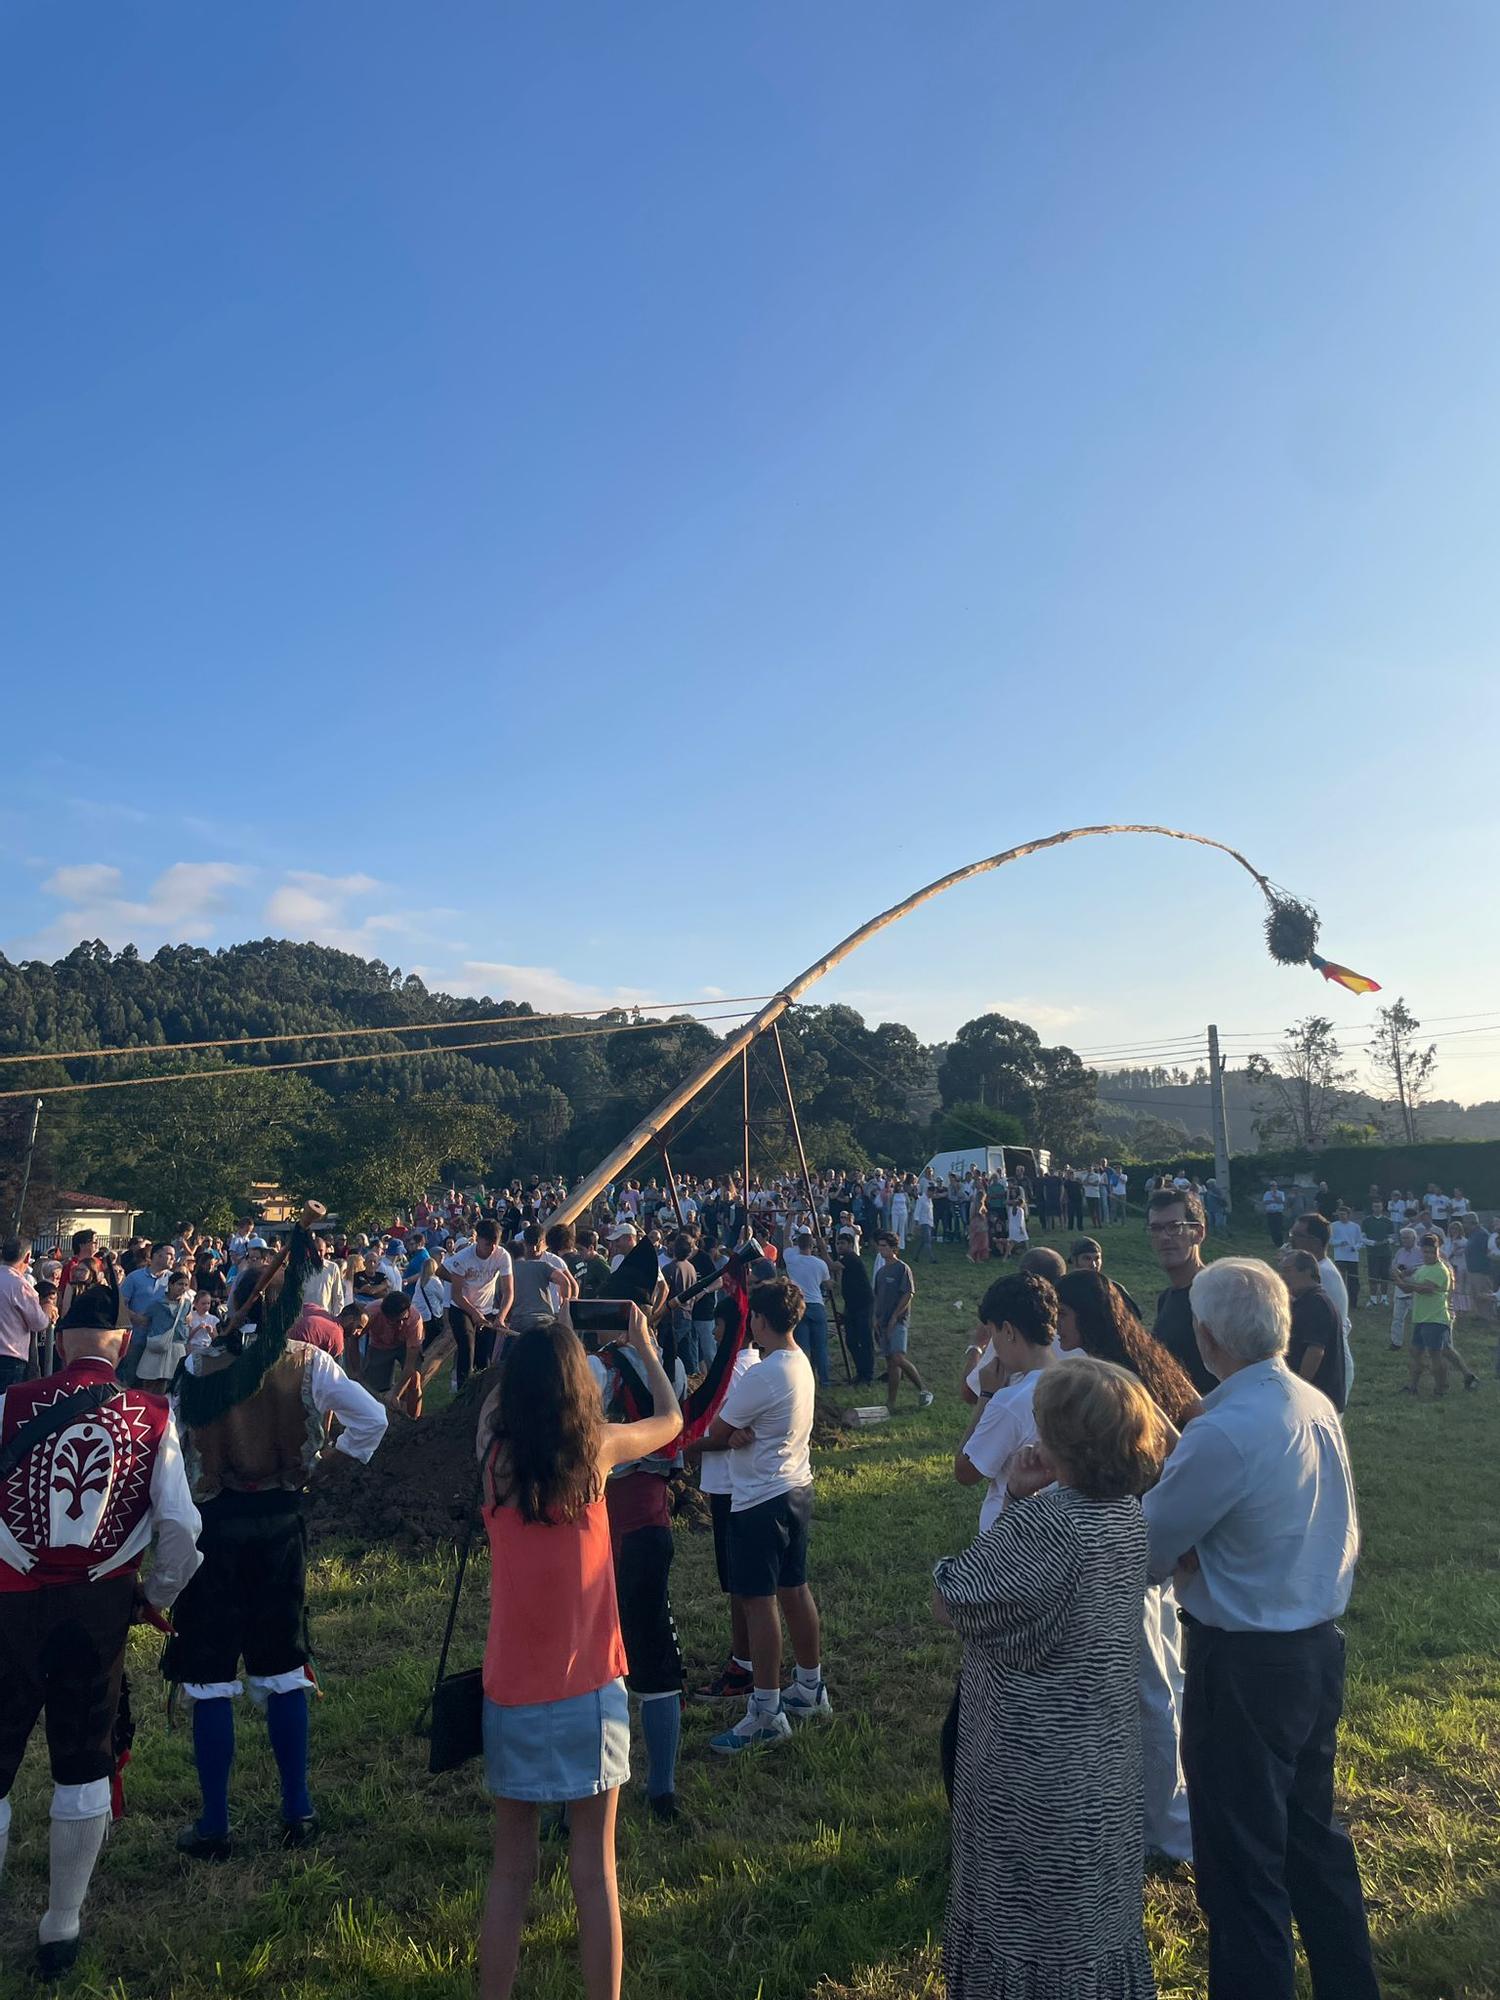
(1093, 1319)
(556, 1719)
(1092, 1315)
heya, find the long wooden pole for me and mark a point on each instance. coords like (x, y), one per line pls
(739, 1041)
(807, 1186)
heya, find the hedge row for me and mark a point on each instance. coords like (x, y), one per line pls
(1351, 1171)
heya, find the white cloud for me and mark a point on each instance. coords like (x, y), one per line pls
(545, 988)
(1038, 1013)
(84, 884)
(182, 906)
(317, 907)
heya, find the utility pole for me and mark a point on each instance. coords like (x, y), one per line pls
(36, 1115)
(1218, 1114)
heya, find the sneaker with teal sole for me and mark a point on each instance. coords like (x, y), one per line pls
(766, 1731)
(800, 1702)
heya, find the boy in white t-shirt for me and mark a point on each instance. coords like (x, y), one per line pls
(1019, 1314)
(766, 1423)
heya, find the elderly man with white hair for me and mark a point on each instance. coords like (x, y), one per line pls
(1255, 1513)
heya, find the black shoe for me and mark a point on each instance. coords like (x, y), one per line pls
(665, 1808)
(56, 1961)
(730, 1683)
(203, 1846)
(299, 1832)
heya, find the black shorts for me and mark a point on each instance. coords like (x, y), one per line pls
(62, 1650)
(719, 1506)
(1380, 1260)
(643, 1563)
(768, 1544)
(249, 1600)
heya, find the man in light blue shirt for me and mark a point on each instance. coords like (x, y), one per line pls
(1255, 1513)
(140, 1290)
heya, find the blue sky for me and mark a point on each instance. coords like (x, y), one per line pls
(583, 500)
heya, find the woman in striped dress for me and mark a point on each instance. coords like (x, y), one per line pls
(1045, 1897)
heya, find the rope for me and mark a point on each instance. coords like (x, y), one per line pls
(395, 1028)
(379, 1055)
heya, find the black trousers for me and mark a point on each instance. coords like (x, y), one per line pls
(471, 1350)
(1259, 1728)
(859, 1338)
(1276, 1226)
(62, 1651)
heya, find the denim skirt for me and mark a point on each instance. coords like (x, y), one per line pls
(558, 1750)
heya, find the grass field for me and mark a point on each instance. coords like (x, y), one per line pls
(819, 1869)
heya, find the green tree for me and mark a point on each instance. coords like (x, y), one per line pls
(376, 1156)
(177, 1149)
(1303, 1087)
(959, 1126)
(1403, 1068)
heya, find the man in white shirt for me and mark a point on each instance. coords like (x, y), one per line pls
(766, 1421)
(813, 1279)
(1273, 1205)
(1259, 1494)
(481, 1286)
(921, 1215)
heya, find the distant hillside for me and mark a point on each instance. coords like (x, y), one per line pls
(1180, 1098)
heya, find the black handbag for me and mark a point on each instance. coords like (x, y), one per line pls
(456, 1703)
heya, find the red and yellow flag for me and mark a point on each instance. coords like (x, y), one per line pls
(1342, 976)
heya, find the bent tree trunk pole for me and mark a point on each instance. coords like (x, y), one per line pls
(733, 1045)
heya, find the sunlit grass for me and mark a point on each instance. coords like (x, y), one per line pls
(819, 1870)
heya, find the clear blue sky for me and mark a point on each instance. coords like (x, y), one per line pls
(580, 499)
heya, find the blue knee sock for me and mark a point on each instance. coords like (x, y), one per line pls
(286, 1723)
(213, 1752)
(661, 1724)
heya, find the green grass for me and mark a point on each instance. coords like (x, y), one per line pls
(821, 1869)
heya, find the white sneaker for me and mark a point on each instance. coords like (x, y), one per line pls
(753, 1732)
(924, 1400)
(803, 1702)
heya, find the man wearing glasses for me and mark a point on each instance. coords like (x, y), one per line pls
(1175, 1227)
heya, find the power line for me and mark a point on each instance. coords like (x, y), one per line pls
(394, 1028)
(377, 1055)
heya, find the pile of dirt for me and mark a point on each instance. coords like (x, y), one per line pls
(418, 1488)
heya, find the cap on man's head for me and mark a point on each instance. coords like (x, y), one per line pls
(620, 1230)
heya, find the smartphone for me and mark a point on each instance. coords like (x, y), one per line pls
(598, 1316)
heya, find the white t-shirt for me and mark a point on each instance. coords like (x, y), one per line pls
(1346, 1239)
(922, 1213)
(1016, 1224)
(807, 1273)
(1006, 1425)
(480, 1275)
(1273, 1201)
(717, 1467)
(774, 1400)
(1438, 1206)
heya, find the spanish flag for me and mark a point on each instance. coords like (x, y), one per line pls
(1342, 976)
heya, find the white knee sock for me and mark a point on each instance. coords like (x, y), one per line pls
(75, 1849)
(4, 1831)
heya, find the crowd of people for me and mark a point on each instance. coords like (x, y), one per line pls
(1146, 1672)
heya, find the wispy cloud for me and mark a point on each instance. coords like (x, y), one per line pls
(182, 906)
(543, 986)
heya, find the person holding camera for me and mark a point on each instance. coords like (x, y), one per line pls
(556, 1715)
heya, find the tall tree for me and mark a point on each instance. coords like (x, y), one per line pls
(1303, 1087)
(1403, 1069)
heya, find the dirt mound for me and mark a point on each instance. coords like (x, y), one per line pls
(416, 1490)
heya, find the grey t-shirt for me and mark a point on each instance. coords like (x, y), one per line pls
(894, 1290)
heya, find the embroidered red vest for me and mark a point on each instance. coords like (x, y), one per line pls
(78, 1507)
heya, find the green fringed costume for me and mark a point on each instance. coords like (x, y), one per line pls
(252, 1424)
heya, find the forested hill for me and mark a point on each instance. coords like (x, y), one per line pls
(540, 1093)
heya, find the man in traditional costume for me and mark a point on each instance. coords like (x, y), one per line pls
(255, 1413)
(90, 1471)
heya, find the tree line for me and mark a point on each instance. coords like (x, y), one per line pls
(375, 1123)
